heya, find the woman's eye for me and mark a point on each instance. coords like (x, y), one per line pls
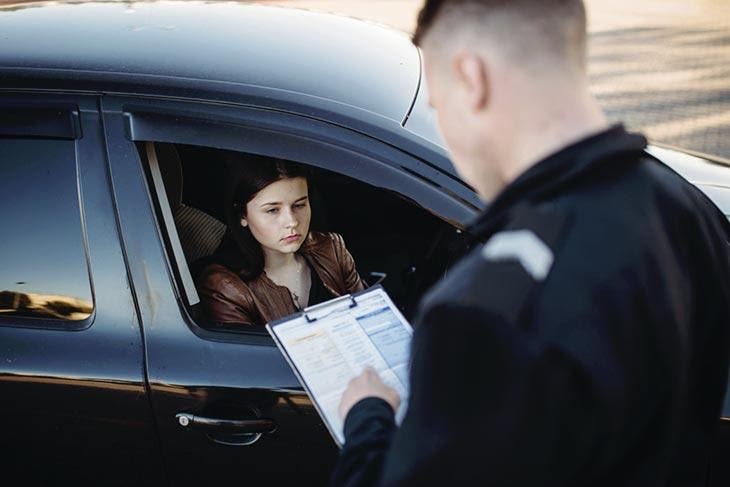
(300, 205)
(272, 210)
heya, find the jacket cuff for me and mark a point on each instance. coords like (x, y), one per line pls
(369, 414)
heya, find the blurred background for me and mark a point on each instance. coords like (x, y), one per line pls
(660, 66)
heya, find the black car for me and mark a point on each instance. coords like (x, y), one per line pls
(116, 119)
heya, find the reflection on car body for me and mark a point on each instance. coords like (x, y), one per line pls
(44, 306)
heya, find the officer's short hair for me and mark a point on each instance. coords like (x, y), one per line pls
(526, 29)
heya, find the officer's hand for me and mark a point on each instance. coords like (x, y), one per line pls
(367, 384)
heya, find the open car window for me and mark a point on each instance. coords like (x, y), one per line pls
(390, 237)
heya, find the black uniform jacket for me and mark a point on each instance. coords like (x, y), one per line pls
(584, 343)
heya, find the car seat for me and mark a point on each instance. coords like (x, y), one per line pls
(200, 233)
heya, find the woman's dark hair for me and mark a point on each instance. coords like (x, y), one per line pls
(240, 251)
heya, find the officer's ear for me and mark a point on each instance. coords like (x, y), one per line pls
(471, 74)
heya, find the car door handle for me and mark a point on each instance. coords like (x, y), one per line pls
(259, 425)
(231, 432)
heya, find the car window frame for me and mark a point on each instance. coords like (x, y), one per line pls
(231, 127)
(55, 118)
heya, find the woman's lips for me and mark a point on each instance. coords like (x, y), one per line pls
(291, 238)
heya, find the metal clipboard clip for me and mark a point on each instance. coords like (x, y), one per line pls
(338, 304)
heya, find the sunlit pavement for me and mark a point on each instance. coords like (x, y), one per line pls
(660, 66)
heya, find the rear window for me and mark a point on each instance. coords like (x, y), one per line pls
(43, 265)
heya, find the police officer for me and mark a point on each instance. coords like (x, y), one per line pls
(586, 341)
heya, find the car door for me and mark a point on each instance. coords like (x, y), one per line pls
(75, 408)
(228, 407)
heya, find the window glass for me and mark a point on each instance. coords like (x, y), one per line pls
(43, 269)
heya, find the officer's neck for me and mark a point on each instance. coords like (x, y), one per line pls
(548, 124)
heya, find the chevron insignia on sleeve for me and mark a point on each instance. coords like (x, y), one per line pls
(523, 246)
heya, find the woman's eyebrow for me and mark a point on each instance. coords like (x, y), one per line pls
(274, 203)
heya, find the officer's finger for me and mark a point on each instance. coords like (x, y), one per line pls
(369, 373)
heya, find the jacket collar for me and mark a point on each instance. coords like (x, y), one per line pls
(314, 250)
(559, 169)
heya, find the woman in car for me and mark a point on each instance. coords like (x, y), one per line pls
(270, 264)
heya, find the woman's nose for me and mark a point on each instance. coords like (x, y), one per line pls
(291, 219)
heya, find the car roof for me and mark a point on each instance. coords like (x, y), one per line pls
(187, 45)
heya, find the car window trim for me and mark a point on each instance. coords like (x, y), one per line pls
(207, 128)
(44, 121)
(191, 292)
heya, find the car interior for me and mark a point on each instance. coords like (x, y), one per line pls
(394, 242)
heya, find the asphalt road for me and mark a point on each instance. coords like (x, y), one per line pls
(659, 66)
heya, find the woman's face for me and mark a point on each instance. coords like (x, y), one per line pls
(278, 215)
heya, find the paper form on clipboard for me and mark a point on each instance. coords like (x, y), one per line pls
(330, 343)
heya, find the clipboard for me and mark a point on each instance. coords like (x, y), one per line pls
(329, 343)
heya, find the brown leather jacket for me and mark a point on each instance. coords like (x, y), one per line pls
(227, 299)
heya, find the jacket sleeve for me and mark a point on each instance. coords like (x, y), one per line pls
(226, 299)
(353, 281)
(486, 406)
(369, 429)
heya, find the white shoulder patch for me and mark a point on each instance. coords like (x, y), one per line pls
(523, 246)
